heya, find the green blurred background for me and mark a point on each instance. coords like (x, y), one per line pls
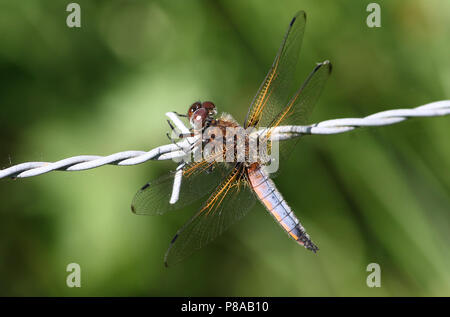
(373, 195)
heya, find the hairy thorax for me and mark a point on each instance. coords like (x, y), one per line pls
(226, 140)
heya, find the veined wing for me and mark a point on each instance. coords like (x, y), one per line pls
(299, 108)
(275, 89)
(198, 180)
(230, 201)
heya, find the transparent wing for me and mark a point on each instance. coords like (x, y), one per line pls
(198, 180)
(297, 112)
(274, 91)
(300, 106)
(231, 200)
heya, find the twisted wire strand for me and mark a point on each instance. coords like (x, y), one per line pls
(176, 150)
(388, 117)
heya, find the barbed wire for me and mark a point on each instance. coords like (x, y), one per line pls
(388, 117)
(176, 150)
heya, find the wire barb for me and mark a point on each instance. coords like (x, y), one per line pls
(174, 150)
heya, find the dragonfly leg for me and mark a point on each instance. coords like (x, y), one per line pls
(173, 141)
(180, 115)
(179, 135)
(186, 150)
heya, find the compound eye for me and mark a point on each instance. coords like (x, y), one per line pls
(208, 105)
(199, 117)
(194, 107)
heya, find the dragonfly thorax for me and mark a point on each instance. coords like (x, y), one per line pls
(225, 140)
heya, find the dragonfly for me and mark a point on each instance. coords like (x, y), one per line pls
(231, 188)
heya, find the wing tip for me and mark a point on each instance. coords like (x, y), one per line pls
(302, 13)
(166, 256)
(292, 21)
(145, 186)
(297, 15)
(330, 66)
(325, 63)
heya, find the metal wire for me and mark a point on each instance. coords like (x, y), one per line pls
(335, 126)
(175, 150)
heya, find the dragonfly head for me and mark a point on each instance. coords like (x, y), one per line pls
(201, 113)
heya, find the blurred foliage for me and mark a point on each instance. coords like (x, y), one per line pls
(373, 195)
